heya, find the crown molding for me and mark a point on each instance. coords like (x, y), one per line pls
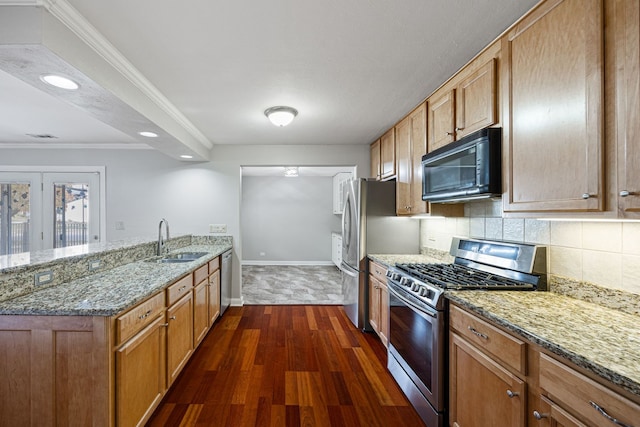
(78, 24)
(73, 146)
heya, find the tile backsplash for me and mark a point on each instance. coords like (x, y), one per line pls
(603, 253)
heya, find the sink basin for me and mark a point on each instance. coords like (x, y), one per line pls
(181, 257)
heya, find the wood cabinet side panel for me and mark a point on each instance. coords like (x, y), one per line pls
(388, 155)
(403, 167)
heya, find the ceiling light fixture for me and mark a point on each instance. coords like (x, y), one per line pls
(291, 171)
(59, 81)
(186, 156)
(280, 116)
(148, 134)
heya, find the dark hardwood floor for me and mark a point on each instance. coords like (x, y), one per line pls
(286, 366)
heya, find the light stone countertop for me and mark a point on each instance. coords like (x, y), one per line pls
(601, 340)
(110, 292)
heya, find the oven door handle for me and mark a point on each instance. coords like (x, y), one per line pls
(422, 309)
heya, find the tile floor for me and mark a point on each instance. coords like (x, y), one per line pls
(286, 284)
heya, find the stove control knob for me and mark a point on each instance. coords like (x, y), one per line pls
(405, 281)
(424, 292)
(415, 287)
(394, 276)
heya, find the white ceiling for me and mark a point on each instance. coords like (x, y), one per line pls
(304, 171)
(204, 71)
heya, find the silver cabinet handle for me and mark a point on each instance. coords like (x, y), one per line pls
(143, 316)
(459, 129)
(607, 416)
(586, 196)
(538, 416)
(625, 193)
(172, 318)
(512, 394)
(449, 133)
(480, 334)
(164, 325)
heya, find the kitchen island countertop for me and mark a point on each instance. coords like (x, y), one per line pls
(604, 341)
(110, 292)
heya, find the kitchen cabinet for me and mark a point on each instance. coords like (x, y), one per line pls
(487, 368)
(376, 170)
(336, 249)
(140, 376)
(379, 301)
(200, 304)
(571, 398)
(214, 290)
(626, 50)
(466, 103)
(411, 145)
(338, 195)
(388, 155)
(552, 86)
(179, 335)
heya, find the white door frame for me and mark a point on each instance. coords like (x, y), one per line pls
(99, 170)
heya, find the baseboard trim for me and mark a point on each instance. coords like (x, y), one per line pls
(256, 262)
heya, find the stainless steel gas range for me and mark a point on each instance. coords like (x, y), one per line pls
(418, 311)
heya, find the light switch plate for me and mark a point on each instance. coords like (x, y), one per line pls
(217, 228)
(43, 278)
(94, 264)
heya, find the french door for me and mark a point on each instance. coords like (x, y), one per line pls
(45, 210)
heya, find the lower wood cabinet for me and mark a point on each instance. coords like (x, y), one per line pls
(179, 336)
(213, 297)
(379, 301)
(141, 370)
(200, 311)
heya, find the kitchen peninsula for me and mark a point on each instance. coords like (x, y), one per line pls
(102, 342)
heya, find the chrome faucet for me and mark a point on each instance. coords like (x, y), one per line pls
(161, 241)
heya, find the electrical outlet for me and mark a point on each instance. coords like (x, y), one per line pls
(217, 228)
(43, 278)
(94, 264)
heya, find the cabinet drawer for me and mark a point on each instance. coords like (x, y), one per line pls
(378, 271)
(200, 274)
(499, 344)
(214, 264)
(128, 324)
(179, 289)
(582, 397)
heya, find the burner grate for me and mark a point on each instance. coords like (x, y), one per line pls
(454, 276)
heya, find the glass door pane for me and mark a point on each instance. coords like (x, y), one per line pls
(71, 207)
(14, 217)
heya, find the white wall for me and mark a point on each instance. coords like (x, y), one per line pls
(143, 186)
(604, 253)
(289, 220)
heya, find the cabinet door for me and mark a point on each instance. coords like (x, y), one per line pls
(374, 304)
(376, 170)
(476, 100)
(418, 149)
(482, 392)
(403, 167)
(179, 336)
(214, 296)
(140, 375)
(388, 155)
(553, 86)
(383, 322)
(627, 46)
(200, 311)
(441, 119)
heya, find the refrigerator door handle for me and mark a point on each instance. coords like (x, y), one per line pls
(348, 270)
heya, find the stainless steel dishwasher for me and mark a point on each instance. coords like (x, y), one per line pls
(225, 281)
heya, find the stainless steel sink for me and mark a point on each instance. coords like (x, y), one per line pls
(180, 257)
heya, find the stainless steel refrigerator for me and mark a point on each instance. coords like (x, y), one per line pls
(370, 226)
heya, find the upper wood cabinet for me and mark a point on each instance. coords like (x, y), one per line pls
(376, 171)
(411, 145)
(466, 103)
(388, 155)
(552, 86)
(626, 51)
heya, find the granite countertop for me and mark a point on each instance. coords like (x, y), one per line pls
(601, 340)
(109, 292)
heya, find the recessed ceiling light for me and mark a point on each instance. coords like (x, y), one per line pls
(148, 134)
(186, 156)
(59, 81)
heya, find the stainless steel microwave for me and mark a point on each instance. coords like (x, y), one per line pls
(467, 169)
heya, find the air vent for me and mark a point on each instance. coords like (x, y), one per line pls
(42, 135)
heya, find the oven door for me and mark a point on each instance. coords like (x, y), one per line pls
(417, 343)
